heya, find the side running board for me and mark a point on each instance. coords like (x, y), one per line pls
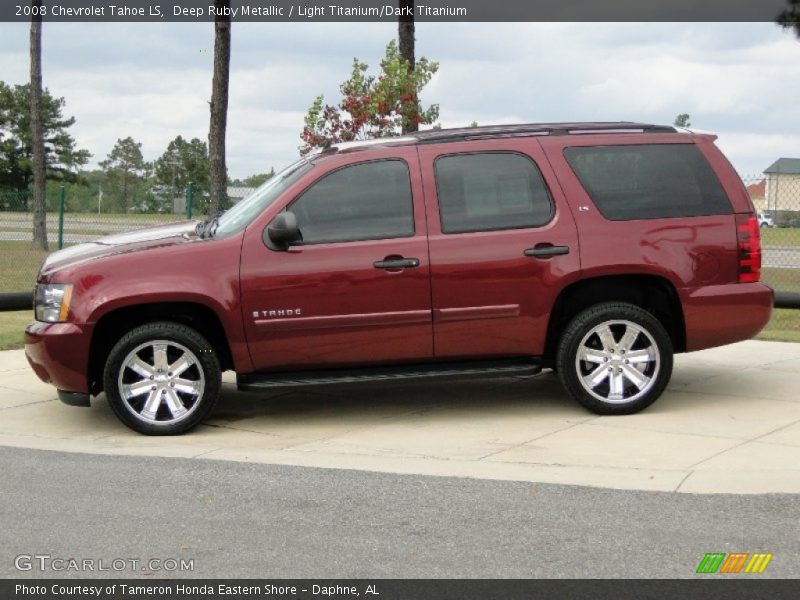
(495, 368)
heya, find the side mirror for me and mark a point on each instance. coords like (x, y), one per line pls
(282, 231)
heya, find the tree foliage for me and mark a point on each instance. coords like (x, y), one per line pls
(253, 180)
(790, 17)
(682, 120)
(62, 157)
(183, 162)
(372, 106)
(124, 168)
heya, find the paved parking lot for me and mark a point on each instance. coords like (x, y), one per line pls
(730, 422)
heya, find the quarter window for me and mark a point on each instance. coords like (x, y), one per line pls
(366, 201)
(648, 181)
(490, 191)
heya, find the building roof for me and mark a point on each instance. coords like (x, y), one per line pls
(785, 165)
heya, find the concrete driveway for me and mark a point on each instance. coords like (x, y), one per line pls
(729, 423)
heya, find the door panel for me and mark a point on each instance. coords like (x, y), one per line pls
(328, 304)
(492, 291)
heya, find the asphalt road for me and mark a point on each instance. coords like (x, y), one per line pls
(246, 520)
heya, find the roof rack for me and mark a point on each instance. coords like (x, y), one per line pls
(499, 131)
(530, 129)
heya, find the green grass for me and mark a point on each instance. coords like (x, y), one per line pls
(785, 323)
(18, 266)
(780, 236)
(19, 263)
(12, 325)
(785, 280)
(783, 327)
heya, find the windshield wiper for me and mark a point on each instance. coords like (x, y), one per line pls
(208, 227)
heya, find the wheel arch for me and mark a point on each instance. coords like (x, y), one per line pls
(115, 323)
(655, 294)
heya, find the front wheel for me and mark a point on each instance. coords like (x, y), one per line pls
(162, 378)
(615, 358)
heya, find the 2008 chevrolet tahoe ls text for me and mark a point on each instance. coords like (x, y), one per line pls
(595, 249)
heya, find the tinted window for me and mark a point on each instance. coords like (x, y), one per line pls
(481, 192)
(362, 202)
(648, 182)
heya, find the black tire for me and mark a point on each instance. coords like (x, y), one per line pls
(650, 365)
(196, 392)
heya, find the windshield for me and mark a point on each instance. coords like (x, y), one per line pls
(240, 216)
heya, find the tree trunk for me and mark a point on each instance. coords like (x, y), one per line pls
(37, 132)
(124, 191)
(406, 36)
(218, 173)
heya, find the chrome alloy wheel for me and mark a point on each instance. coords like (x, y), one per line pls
(161, 382)
(617, 361)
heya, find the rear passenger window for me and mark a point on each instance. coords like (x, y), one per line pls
(648, 182)
(489, 191)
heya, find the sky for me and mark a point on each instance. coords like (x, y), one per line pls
(153, 81)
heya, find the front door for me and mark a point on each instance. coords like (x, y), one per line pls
(356, 290)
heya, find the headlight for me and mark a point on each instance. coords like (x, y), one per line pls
(52, 302)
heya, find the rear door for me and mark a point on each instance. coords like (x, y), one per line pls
(502, 246)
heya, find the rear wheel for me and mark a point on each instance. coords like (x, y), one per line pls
(162, 378)
(615, 358)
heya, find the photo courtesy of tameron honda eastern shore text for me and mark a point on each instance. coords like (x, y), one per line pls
(595, 249)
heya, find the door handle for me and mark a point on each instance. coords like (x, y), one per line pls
(546, 251)
(396, 263)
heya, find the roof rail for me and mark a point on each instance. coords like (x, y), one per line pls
(499, 131)
(531, 129)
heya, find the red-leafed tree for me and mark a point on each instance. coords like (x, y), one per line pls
(372, 106)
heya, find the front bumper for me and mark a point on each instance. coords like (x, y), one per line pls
(59, 354)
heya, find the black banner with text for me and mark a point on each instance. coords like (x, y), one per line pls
(388, 10)
(394, 589)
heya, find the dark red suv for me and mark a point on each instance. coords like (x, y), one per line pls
(595, 249)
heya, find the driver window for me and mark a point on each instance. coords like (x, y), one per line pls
(367, 201)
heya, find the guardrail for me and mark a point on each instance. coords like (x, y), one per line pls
(787, 300)
(16, 301)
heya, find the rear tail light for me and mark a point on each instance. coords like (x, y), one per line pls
(748, 238)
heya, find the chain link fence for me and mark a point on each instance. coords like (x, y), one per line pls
(69, 222)
(775, 196)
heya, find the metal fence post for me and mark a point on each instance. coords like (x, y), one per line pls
(189, 197)
(61, 193)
